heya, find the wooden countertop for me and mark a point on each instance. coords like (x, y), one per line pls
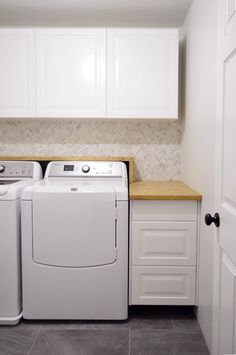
(162, 190)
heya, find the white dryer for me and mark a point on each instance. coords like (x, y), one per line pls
(14, 177)
(75, 242)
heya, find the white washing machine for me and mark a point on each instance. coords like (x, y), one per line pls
(14, 177)
(75, 242)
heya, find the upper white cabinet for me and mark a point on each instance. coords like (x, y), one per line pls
(71, 73)
(142, 74)
(17, 73)
(97, 73)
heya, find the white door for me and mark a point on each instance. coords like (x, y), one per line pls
(142, 75)
(224, 341)
(71, 73)
(17, 73)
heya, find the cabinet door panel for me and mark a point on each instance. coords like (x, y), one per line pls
(17, 73)
(163, 243)
(142, 73)
(156, 285)
(70, 75)
(164, 210)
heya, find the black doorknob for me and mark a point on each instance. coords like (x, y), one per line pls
(209, 219)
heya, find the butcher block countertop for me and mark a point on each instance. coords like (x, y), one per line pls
(162, 190)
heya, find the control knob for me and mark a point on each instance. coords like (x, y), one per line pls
(2, 168)
(85, 168)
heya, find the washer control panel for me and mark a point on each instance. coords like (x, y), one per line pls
(84, 169)
(13, 169)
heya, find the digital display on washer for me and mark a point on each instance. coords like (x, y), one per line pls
(69, 167)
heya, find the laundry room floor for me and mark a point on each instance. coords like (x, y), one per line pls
(148, 331)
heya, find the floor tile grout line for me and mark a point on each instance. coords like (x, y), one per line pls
(80, 329)
(175, 330)
(129, 343)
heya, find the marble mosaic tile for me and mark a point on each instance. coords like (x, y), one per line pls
(155, 146)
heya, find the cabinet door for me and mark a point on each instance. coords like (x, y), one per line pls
(17, 73)
(163, 285)
(70, 73)
(163, 243)
(142, 73)
(164, 210)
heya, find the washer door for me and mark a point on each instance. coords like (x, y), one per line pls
(74, 228)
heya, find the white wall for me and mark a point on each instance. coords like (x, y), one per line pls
(198, 134)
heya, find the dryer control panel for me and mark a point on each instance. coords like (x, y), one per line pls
(92, 169)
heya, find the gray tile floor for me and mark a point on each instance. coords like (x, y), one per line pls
(148, 331)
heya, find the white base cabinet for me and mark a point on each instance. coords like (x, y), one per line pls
(163, 252)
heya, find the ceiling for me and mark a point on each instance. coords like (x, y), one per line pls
(106, 13)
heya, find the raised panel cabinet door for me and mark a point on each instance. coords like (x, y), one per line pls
(142, 73)
(163, 243)
(71, 73)
(163, 285)
(17, 73)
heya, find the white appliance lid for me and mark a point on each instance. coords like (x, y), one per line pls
(66, 187)
(67, 175)
(15, 176)
(6, 185)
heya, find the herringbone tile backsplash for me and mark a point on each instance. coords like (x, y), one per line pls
(155, 146)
